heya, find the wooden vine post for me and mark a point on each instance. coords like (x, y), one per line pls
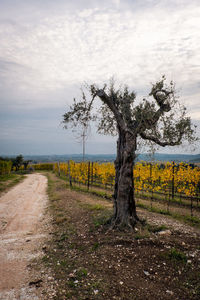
(92, 173)
(173, 180)
(69, 174)
(59, 169)
(88, 181)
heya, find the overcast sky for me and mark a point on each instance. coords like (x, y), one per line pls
(49, 48)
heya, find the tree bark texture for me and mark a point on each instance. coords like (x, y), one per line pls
(124, 202)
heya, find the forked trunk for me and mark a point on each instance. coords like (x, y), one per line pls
(124, 202)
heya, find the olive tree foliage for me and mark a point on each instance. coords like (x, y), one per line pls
(159, 119)
(17, 162)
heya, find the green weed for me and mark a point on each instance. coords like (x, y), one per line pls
(8, 181)
(95, 246)
(82, 272)
(176, 255)
(103, 219)
(155, 229)
(139, 236)
(94, 207)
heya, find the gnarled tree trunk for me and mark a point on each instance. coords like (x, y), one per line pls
(124, 202)
(118, 164)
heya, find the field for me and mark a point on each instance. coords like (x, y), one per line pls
(82, 258)
(170, 189)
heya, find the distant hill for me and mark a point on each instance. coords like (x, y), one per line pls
(160, 157)
(75, 157)
(111, 157)
(170, 157)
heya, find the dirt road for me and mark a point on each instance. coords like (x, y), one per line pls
(21, 234)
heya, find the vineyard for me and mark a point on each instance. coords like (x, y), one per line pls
(170, 178)
(163, 188)
(5, 167)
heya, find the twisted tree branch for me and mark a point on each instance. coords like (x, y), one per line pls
(161, 143)
(109, 101)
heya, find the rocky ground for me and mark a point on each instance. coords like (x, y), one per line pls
(86, 260)
(61, 249)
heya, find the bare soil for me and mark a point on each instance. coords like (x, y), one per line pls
(81, 258)
(160, 260)
(22, 232)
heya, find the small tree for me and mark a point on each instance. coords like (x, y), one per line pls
(161, 120)
(26, 163)
(17, 162)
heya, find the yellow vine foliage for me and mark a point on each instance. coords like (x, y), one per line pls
(5, 167)
(148, 177)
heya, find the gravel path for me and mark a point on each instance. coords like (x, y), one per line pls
(21, 232)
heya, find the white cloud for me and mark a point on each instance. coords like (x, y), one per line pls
(94, 44)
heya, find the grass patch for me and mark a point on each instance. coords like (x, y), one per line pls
(50, 188)
(7, 177)
(45, 259)
(93, 207)
(8, 181)
(161, 197)
(193, 284)
(192, 221)
(82, 272)
(155, 229)
(160, 211)
(153, 209)
(60, 220)
(101, 194)
(82, 188)
(140, 236)
(63, 237)
(95, 246)
(91, 191)
(176, 256)
(102, 219)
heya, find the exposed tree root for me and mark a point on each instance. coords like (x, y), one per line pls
(124, 224)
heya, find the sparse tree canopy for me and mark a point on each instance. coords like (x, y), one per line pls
(26, 163)
(160, 119)
(18, 161)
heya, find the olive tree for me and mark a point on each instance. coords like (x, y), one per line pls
(17, 162)
(158, 119)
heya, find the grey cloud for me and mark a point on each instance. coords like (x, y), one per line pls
(48, 48)
(192, 88)
(9, 66)
(37, 132)
(33, 11)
